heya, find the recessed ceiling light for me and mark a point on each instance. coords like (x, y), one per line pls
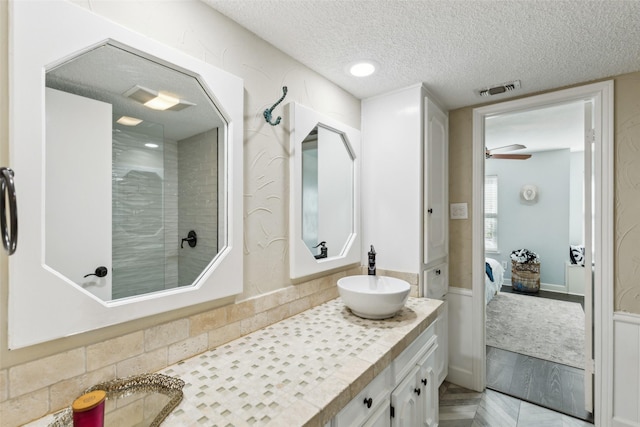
(151, 145)
(162, 102)
(129, 121)
(157, 100)
(362, 68)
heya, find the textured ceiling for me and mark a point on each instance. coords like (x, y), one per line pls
(454, 47)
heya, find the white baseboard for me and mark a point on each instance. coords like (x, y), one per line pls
(626, 370)
(617, 422)
(562, 289)
(460, 377)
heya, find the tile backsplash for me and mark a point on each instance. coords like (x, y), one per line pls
(34, 389)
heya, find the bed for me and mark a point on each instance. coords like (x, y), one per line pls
(493, 278)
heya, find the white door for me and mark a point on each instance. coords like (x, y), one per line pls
(77, 215)
(589, 207)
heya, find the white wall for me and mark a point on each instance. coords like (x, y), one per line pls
(542, 227)
(335, 191)
(576, 198)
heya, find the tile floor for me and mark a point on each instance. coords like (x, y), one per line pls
(460, 407)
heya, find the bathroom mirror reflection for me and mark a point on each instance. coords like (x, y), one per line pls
(324, 231)
(151, 141)
(327, 192)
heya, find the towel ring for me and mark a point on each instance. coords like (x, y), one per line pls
(8, 191)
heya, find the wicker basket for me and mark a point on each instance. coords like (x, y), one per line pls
(525, 277)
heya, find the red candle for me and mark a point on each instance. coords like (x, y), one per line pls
(88, 409)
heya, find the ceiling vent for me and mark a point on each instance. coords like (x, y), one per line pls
(498, 89)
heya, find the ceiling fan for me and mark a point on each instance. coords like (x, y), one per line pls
(495, 152)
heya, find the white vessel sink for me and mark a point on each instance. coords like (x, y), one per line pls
(373, 297)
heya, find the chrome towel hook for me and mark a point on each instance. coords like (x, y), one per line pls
(8, 191)
(268, 111)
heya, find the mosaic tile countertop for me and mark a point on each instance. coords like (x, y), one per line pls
(298, 372)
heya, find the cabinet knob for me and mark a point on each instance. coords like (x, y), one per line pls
(424, 381)
(368, 402)
(430, 210)
(438, 272)
(417, 390)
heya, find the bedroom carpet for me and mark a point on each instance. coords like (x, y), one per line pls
(539, 327)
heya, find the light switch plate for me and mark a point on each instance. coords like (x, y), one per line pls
(459, 211)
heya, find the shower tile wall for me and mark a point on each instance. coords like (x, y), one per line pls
(144, 184)
(171, 236)
(197, 202)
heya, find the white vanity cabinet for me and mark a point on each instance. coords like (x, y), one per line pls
(405, 181)
(404, 394)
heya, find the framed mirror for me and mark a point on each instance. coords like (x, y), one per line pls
(129, 155)
(324, 206)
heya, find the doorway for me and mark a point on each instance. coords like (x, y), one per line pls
(534, 204)
(598, 306)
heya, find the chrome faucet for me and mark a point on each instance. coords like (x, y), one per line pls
(372, 261)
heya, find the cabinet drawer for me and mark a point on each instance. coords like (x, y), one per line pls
(357, 411)
(409, 357)
(435, 281)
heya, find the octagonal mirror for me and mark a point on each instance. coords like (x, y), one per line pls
(154, 168)
(324, 193)
(129, 155)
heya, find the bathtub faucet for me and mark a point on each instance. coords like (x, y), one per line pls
(372, 261)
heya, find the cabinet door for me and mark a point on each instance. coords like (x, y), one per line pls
(436, 282)
(381, 416)
(436, 183)
(428, 380)
(406, 401)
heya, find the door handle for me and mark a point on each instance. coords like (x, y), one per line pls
(100, 272)
(8, 191)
